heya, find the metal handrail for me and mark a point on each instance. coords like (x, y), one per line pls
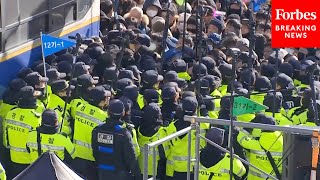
(288, 129)
(153, 145)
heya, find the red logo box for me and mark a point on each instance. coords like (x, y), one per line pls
(295, 23)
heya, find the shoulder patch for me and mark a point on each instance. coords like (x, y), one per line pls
(105, 138)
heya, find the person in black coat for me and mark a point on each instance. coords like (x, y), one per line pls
(112, 147)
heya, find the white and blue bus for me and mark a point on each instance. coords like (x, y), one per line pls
(22, 20)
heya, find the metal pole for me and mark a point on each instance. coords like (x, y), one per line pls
(231, 115)
(314, 98)
(189, 155)
(44, 69)
(293, 129)
(184, 27)
(237, 157)
(154, 161)
(172, 136)
(275, 84)
(197, 153)
(145, 161)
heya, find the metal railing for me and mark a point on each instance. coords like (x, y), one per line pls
(195, 126)
(155, 144)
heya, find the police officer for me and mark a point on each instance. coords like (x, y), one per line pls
(87, 116)
(151, 130)
(263, 152)
(18, 123)
(178, 157)
(112, 147)
(215, 164)
(170, 104)
(274, 103)
(298, 115)
(57, 102)
(261, 86)
(47, 138)
(85, 83)
(132, 92)
(38, 82)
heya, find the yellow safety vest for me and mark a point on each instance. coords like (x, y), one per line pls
(2, 173)
(73, 106)
(4, 109)
(271, 141)
(178, 158)
(134, 138)
(280, 119)
(57, 103)
(18, 124)
(212, 114)
(223, 89)
(56, 143)
(258, 98)
(142, 140)
(184, 75)
(216, 93)
(246, 117)
(297, 117)
(40, 107)
(87, 117)
(220, 171)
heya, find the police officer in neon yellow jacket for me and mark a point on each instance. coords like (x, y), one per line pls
(274, 103)
(87, 116)
(178, 158)
(151, 130)
(269, 141)
(215, 164)
(18, 123)
(50, 139)
(261, 86)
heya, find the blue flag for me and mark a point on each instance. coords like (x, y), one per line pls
(52, 44)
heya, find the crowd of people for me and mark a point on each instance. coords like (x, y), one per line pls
(134, 84)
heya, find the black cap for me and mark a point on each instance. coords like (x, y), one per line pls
(127, 103)
(28, 92)
(151, 77)
(35, 78)
(179, 65)
(65, 57)
(286, 68)
(80, 68)
(284, 81)
(131, 92)
(268, 70)
(126, 74)
(17, 84)
(40, 70)
(151, 95)
(142, 39)
(168, 93)
(208, 62)
(116, 108)
(24, 72)
(199, 70)
(94, 52)
(215, 135)
(152, 112)
(97, 94)
(134, 69)
(86, 59)
(60, 85)
(49, 118)
(106, 59)
(86, 81)
(148, 63)
(263, 119)
(188, 94)
(262, 84)
(54, 74)
(189, 105)
(226, 69)
(172, 76)
(269, 101)
(64, 67)
(123, 83)
(110, 74)
(245, 77)
(214, 81)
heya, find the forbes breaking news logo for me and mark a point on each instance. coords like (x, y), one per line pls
(295, 24)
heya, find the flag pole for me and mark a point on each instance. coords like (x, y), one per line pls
(44, 69)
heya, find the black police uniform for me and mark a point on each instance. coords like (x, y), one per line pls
(113, 149)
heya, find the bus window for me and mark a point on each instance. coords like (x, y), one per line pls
(83, 7)
(62, 16)
(56, 3)
(32, 7)
(37, 25)
(11, 12)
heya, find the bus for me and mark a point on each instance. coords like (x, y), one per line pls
(21, 22)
